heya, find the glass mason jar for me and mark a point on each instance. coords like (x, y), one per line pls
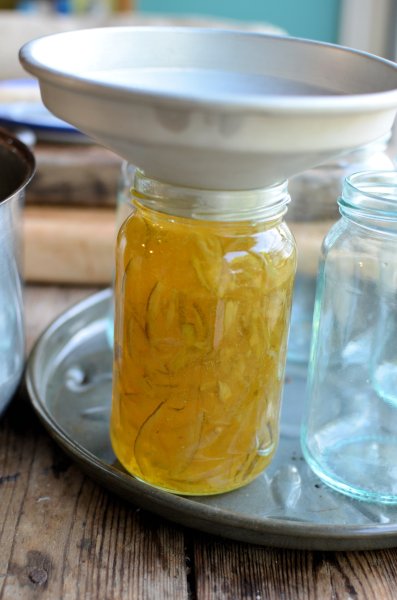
(202, 302)
(123, 201)
(123, 209)
(312, 213)
(349, 434)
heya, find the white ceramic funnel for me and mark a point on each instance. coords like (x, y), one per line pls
(211, 108)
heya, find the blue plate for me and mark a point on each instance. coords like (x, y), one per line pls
(21, 107)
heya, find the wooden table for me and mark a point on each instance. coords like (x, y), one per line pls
(63, 537)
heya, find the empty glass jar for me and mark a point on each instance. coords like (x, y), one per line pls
(202, 302)
(349, 436)
(312, 212)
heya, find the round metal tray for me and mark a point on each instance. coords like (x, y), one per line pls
(69, 381)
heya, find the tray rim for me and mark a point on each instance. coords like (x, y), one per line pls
(180, 509)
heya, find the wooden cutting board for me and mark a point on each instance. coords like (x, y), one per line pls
(76, 245)
(69, 245)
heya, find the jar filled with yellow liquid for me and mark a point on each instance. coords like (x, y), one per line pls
(202, 304)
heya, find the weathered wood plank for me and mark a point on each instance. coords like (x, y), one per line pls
(74, 175)
(235, 571)
(64, 537)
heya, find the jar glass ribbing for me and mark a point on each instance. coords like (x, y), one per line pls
(349, 436)
(203, 293)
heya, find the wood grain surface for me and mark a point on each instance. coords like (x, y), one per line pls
(63, 537)
(74, 175)
(69, 245)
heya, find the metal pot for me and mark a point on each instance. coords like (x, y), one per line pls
(16, 169)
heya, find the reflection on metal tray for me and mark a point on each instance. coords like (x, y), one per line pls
(69, 380)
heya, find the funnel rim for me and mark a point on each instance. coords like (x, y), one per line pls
(280, 103)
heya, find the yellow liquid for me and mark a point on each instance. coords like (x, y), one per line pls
(202, 313)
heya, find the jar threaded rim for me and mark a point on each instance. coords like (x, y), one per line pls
(212, 205)
(371, 194)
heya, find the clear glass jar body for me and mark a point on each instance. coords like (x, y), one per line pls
(349, 434)
(124, 191)
(123, 209)
(313, 211)
(202, 304)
